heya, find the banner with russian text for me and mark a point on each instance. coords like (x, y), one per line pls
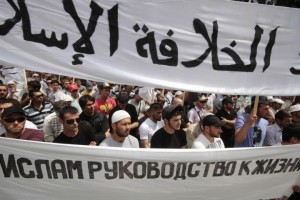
(34, 170)
(198, 45)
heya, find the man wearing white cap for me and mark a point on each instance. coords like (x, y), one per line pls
(275, 105)
(120, 122)
(295, 111)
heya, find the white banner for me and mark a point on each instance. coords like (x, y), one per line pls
(33, 170)
(198, 45)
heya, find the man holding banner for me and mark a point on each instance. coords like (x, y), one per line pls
(250, 129)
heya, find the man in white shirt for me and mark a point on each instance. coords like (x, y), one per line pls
(120, 122)
(195, 113)
(151, 124)
(210, 137)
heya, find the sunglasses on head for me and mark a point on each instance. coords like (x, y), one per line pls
(11, 120)
(72, 121)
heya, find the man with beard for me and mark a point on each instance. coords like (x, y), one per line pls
(120, 122)
(97, 120)
(151, 124)
(250, 129)
(3, 91)
(210, 137)
(171, 135)
(274, 131)
(74, 132)
(13, 119)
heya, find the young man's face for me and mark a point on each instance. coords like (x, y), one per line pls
(175, 122)
(263, 111)
(214, 131)
(70, 123)
(122, 127)
(3, 92)
(89, 108)
(14, 124)
(37, 97)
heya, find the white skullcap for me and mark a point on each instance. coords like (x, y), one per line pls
(295, 108)
(119, 115)
(279, 101)
(178, 93)
(11, 82)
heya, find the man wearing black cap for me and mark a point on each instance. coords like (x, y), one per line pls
(171, 135)
(13, 119)
(228, 115)
(210, 137)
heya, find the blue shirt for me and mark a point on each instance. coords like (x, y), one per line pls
(262, 124)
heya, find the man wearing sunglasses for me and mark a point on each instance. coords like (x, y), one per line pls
(74, 132)
(13, 119)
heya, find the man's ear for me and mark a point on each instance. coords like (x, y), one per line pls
(113, 125)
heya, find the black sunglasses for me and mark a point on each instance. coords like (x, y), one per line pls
(11, 120)
(72, 121)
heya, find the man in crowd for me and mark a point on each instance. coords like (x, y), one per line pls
(195, 113)
(104, 103)
(52, 125)
(13, 91)
(210, 137)
(73, 89)
(56, 94)
(97, 120)
(275, 105)
(122, 99)
(120, 136)
(291, 135)
(274, 131)
(171, 135)
(38, 109)
(74, 132)
(295, 111)
(151, 124)
(250, 129)
(228, 115)
(3, 91)
(13, 119)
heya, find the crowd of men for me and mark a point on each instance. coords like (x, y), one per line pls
(83, 112)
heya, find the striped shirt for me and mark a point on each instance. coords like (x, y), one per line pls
(38, 116)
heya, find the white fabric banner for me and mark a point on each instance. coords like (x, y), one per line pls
(197, 45)
(34, 170)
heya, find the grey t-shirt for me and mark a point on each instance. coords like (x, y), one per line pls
(129, 142)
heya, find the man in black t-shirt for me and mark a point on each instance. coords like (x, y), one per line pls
(74, 132)
(171, 135)
(228, 115)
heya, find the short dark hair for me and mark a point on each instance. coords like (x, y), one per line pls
(292, 130)
(262, 100)
(14, 102)
(155, 106)
(281, 114)
(68, 109)
(84, 99)
(55, 81)
(3, 85)
(36, 85)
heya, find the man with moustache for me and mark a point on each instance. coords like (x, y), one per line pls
(120, 122)
(171, 135)
(74, 132)
(3, 91)
(210, 137)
